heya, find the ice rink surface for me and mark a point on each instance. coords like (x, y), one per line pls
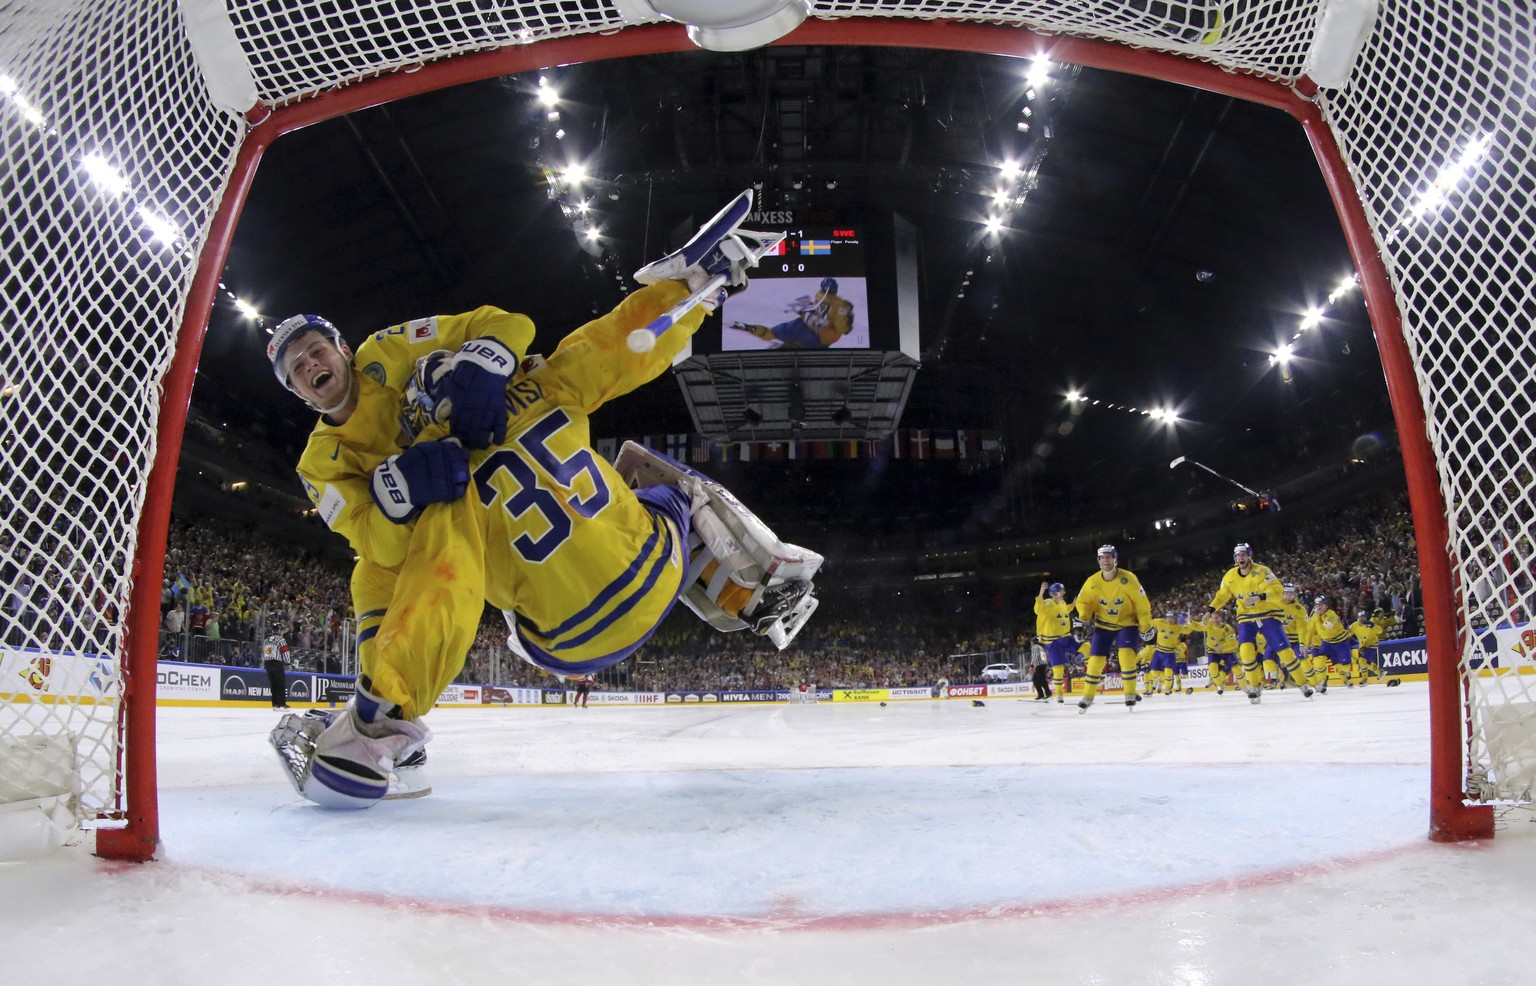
(1196, 840)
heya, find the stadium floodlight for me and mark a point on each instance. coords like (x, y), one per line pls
(1039, 71)
(548, 94)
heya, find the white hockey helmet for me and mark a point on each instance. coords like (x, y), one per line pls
(1107, 549)
(290, 329)
(1242, 549)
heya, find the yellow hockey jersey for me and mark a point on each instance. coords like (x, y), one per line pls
(1257, 594)
(1169, 634)
(1115, 603)
(1293, 616)
(1053, 620)
(1220, 639)
(548, 530)
(1328, 628)
(1365, 636)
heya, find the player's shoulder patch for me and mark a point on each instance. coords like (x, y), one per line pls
(330, 505)
(421, 329)
(375, 372)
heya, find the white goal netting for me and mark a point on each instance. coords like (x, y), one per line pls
(114, 158)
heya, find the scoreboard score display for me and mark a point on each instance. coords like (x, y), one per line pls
(811, 294)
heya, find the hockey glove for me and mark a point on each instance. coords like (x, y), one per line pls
(427, 472)
(477, 387)
(1148, 635)
(1079, 631)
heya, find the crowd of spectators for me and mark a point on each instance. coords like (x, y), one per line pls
(227, 584)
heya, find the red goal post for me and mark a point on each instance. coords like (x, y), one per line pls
(124, 282)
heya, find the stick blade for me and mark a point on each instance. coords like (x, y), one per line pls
(1175, 462)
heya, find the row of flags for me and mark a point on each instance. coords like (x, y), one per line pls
(907, 443)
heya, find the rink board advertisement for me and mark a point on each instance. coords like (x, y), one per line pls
(28, 673)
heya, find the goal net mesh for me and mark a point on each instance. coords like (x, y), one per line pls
(113, 160)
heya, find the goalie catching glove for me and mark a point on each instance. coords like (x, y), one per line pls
(477, 392)
(1148, 635)
(425, 473)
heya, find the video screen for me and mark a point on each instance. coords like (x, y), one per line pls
(811, 295)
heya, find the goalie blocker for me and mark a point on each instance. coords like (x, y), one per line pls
(777, 575)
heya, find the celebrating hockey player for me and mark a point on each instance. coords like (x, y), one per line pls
(1112, 610)
(1258, 595)
(1053, 631)
(461, 472)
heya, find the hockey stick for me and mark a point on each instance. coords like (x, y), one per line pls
(1184, 458)
(644, 340)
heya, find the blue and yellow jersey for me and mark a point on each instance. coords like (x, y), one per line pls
(1220, 639)
(1114, 604)
(1257, 594)
(1365, 636)
(1328, 628)
(339, 460)
(1053, 620)
(1169, 634)
(1293, 616)
(548, 531)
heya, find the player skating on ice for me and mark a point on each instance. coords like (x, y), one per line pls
(1113, 614)
(461, 472)
(1257, 593)
(1053, 631)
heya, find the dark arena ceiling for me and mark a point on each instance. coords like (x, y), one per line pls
(1158, 244)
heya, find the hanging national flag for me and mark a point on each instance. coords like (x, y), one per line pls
(991, 445)
(969, 443)
(698, 449)
(812, 248)
(943, 445)
(899, 444)
(773, 451)
(608, 448)
(851, 449)
(793, 449)
(919, 444)
(677, 445)
(960, 450)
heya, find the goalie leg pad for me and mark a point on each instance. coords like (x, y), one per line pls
(778, 575)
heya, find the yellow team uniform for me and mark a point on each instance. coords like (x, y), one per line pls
(1053, 624)
(1293, 617)
(548, 530)
(1170, 638)
(1220, 643)
(1331, 637)
(1258, 600)
(1113, 606)
(1367, 638)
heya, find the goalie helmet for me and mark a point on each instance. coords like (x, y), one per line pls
(290, 329)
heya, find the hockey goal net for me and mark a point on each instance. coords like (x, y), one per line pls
(129, 132)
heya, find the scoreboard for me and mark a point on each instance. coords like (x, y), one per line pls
(812, 294)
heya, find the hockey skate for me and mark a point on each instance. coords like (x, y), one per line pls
(345, 780)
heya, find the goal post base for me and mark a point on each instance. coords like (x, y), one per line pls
(1460, 822)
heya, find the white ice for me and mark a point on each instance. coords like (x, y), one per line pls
(1196, 840)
